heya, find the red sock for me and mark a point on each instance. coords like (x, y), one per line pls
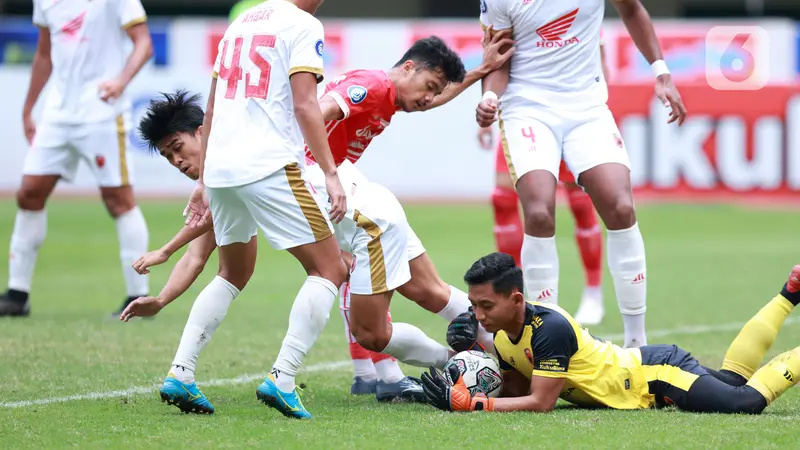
(507, 222)
(587, 234)
(359, 352)
(376, 357)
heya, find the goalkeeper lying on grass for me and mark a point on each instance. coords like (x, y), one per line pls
(544, 354)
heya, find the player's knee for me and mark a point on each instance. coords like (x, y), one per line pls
(118, 200)
(335, 272)
(30, 199)
(621, 214)
(372, 339)
(431, 294)
(539, 220)
(239, 277)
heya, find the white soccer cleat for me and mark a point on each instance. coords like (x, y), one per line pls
(591, 309)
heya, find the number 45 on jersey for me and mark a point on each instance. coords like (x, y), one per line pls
(233, 73)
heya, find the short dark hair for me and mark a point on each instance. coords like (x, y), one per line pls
(432, 53)
(499, 269)
(178, 112)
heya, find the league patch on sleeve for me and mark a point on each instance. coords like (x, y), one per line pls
(357, 94)
(483, 7)
(319, 46)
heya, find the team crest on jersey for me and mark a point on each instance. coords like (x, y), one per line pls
(483, 7)
(357, 94)
(319, 46)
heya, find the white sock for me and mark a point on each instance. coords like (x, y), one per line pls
(412, 346)
(207, 313)
(310, 312)
(365, 369)
(626, 262)
(540, 268)
(459, 303)
(389, 371)
(182, 374)
(133, 236)
(30, 229)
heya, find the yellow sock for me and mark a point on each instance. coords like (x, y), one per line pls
(757, 335)
(777, 376)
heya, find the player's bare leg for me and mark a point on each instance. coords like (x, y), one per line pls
(609, 186)
(409, 344)
(429, 291)
(30, 229)
(537, 193)
(589, 239)
(133, 238)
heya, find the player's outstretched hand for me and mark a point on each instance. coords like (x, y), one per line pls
(141, 307)
(110, 90)
(485, 138)
(197, 212)
(497, 49)
(462, 333)
(337, 196)
(144, 263)
(29, 126)
(669, 96)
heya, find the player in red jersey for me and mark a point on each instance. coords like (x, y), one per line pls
(357, 106)
(508, 222)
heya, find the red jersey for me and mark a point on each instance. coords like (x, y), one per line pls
(367, 99)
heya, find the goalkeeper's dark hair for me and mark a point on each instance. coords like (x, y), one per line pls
(500, 270)
(177, 112)
(432, 53)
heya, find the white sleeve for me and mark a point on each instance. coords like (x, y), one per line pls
(38, 15)
(130, 13)
(495, 13)
(305, 51)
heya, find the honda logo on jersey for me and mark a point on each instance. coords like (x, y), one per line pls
(552, 32)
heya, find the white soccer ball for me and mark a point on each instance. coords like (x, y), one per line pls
(480, 372)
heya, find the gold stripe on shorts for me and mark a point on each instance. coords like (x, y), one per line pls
(377, 265)
(671, 375)
(507, 154)
(123, 161)
(319, 226)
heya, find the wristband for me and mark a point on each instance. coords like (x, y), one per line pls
(489, 95)
(659, 68)
(481, 403)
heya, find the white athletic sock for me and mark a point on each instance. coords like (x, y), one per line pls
(133, 236)
(412, 346)
(626, 262)
(540, 268)
(207, 313)
(182, 374)
(459, 303)
(310, 312)
(389, 371)
(30, 228)
(365, 369)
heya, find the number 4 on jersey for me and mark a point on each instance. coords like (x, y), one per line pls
(233, 73)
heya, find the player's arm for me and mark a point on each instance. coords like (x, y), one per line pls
(197, 212)
(40, 73)
(133, 20)
(515, 384)
(162, 255)
(497, 50)
(493, 85)
(640, 27)
(330, 108)
(142, 51)
(183, 275)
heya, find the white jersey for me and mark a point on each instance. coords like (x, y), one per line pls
(253, 131)
(88, 46)
(557, 58)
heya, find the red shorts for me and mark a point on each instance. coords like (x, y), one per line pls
(500, 166)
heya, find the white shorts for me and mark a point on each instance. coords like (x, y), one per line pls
(537, 138)
(282, 205)
(57, 150)
(377, 236)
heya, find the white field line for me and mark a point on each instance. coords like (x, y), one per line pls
(243, 379)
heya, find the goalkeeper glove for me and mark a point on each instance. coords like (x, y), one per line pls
(462, 333)
(455, 397)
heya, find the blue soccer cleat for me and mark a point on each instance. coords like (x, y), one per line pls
(187, 397)
(288, 403)
(361, 386)
(409, 389)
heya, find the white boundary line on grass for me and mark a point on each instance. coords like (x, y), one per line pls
(243, 379)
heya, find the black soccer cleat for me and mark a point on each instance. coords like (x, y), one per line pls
(14, 304)
(409, 389)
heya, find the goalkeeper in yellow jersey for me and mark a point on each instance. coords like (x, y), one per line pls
(545, 355)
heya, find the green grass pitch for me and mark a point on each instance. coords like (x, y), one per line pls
(709, 269)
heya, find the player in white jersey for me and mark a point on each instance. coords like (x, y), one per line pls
(86, 117)
(553, 105)
(261, 108)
